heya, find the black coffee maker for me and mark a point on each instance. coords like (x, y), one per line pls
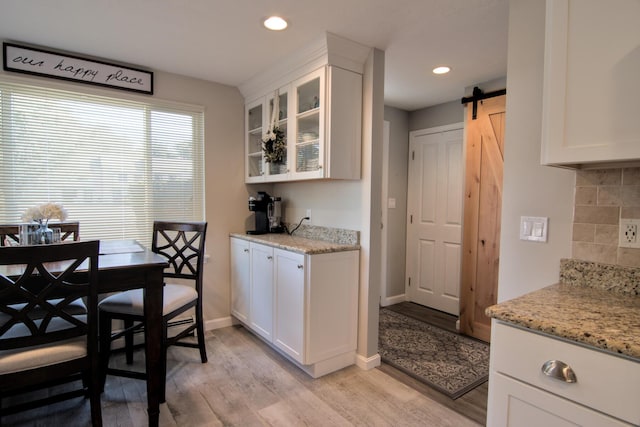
(260, 205)
(268, 213)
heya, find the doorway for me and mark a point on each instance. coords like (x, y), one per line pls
(452, 261)
(434, 217)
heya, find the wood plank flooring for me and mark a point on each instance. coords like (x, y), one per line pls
(246, 383)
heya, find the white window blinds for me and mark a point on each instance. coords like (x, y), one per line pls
(116, 165)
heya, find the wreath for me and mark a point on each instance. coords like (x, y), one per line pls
(274, 146)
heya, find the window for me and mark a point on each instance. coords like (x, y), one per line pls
(116, 165)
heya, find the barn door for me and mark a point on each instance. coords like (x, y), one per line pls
(482, 208)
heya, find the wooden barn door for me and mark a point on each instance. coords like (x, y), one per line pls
(482, 208)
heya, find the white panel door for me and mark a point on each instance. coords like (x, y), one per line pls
(289, 302)
(261, 301)
(240, 280)
(434, 223)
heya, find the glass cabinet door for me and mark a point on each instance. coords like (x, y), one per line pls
(309, 98)
(280, 168)
(254, 141)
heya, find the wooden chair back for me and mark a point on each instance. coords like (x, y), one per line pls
(42, 343)
(182, 243)
(69, 231)
(38, 285)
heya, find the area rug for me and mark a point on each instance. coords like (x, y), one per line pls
(451, 363)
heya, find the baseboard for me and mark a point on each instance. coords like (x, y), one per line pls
(367, 363)
(221, 322)
(396, 299)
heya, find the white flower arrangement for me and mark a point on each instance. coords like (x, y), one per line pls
(45, 212)
(274, 145)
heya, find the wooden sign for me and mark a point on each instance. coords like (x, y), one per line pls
(29, 60)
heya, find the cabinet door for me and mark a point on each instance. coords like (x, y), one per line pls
(289, 303)
(516, 404)
(278, 171)
(240, 284)
(307, 131)
(590, 92)
(255, 113)
(261, 302)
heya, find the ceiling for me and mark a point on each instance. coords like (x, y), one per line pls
(224, 41)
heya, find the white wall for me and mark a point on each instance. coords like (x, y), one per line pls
(437, 115)
(396, 226)
(528, 188)
(226, 195)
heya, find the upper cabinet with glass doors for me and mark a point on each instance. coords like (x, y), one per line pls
(320, 120)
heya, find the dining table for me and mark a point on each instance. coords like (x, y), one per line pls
(125, 265)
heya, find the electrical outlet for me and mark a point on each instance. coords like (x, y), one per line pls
(629, 233)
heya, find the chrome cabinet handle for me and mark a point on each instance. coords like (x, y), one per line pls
(559, 370)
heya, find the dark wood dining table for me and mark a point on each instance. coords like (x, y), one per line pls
(124, 265)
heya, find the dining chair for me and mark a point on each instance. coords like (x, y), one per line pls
(10, 233)
(182, 244)
(42, 341)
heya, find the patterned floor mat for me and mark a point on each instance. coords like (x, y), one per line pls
(451, 363)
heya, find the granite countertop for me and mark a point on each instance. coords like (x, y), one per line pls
(590, 315)
(298, 244)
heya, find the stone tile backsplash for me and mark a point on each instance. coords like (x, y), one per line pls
(602, 197)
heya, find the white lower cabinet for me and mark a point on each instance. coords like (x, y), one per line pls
(289, 303)
(305, 306)
(261, 290)
(605, 391)
(240, 279)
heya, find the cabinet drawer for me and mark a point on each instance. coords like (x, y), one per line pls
(605, 382)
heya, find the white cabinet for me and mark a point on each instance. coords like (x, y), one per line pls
(590, 92)
(320, 115)
(289, 303)
(240, 280)
(261, 290)
(605, 392)
(304, 305)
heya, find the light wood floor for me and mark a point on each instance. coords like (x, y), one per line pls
(246, 383)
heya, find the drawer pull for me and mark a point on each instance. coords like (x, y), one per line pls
(559, 370)
(300, 266)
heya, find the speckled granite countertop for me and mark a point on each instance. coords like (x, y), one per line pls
(589, 312)
(298, 244)
(606, 320)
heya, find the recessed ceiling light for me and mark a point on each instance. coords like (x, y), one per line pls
(275, 23)
(441, 70)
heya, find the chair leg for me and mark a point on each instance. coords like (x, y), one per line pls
(128, 341)
(200, 334)
(95, 386)
(104, 324)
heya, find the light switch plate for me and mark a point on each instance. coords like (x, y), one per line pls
(534, 228)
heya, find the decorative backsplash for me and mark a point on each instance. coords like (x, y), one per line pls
(602, 197)
(334, 235)
(625, 280)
